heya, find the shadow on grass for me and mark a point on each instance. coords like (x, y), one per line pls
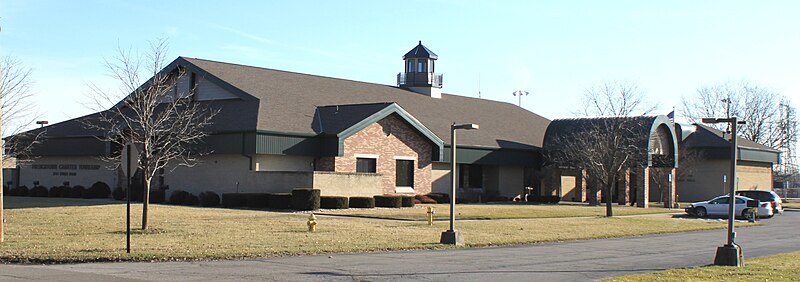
(139, 231)
(13, 202)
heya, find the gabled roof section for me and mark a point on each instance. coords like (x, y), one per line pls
(333, 119)
(420, 51)
(345, 120)
(181, 62)
(288, 102)
(708, 137)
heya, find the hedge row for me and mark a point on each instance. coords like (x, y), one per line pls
(310, 199)
(98, 190)
(334, 202)
(544, 199)
(299, 199)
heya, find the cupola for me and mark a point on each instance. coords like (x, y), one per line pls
(420, 72)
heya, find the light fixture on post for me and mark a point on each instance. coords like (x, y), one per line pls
(41, 123)
(520, 93)
(452, 236)
(731, 253)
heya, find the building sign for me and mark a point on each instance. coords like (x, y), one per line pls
(65, 169)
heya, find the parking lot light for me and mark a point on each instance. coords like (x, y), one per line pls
(730, 254)
(452, 236)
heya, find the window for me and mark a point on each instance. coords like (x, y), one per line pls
(471, 176)
(410, 67)
(405, 173)
(366, 165)
(422, 65)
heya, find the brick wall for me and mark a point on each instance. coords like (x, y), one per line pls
(388, 138)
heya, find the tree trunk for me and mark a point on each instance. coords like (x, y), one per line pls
(2, 219)
(145, 200)
(609, 198)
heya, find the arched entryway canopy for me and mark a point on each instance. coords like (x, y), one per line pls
(649, 146)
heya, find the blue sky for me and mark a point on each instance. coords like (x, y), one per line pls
(553, 49)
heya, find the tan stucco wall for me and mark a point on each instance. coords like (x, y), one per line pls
(568, 187)
(83, 171)
(220, 173)
(706, 179)
(440, 175)
(754, 175)
(348, 184)
(282, 163)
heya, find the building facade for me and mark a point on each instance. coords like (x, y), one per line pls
(278, 130)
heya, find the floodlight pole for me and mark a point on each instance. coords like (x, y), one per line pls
(452, 236)
(520, 93)
(731, 253)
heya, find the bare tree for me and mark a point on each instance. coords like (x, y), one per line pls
(604, 147)
(689, 160)
(614, 99)
(610, 142)
(758, 107)
(17, 109)
(16, 112)
(768, 116)
(163, 123)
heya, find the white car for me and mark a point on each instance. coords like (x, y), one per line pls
(719, 207)
(764, 196)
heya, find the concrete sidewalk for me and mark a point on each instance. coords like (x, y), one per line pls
(567, 261)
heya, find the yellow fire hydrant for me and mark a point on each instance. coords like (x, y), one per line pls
(430, 215)
(312, 223)
(753, 215)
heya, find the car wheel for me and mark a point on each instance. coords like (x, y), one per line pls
(746, 215)
(700, 212)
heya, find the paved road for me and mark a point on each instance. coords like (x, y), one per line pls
(568, 261)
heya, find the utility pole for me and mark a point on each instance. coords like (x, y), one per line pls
(727, 112)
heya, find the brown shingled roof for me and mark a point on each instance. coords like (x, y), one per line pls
(708, 137)
(288, 100)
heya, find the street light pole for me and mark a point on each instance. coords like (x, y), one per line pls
(731, 253)
(453, 178)
(452, 236)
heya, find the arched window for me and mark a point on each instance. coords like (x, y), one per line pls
(661, 141)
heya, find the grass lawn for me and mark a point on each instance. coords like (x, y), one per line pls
(63, 230)
(782, 267)
(791, 205)
(497, 211)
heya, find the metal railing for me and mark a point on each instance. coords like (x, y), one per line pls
(420, 79)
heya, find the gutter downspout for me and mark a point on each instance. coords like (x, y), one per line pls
(249, 157)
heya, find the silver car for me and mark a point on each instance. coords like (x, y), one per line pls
(719, 207)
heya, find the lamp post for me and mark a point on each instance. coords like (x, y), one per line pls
(731, 253)
(41, 123)
(452, 236)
